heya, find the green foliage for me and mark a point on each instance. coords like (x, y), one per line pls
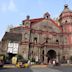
(71, 58)
(2, 56)
(19, 57)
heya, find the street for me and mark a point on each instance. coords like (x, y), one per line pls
(63, 68)
(53, 69)
(16, 70)
(47, 69)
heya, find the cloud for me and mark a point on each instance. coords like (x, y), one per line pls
(4, 7)
(11, 6)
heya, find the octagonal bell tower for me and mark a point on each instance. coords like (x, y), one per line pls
(65, 20)
(66, 23)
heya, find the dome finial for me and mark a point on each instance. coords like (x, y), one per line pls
(27, 17)
(46, 15)
(66, 6)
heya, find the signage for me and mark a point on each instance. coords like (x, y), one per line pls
(14, 60)
(13, 48)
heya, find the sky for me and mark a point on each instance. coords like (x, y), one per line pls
(12, 12)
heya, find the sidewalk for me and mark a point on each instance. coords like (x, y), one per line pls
(38, 66)
(9, 66)
(43, 66)
(33, 66)
(66, 64)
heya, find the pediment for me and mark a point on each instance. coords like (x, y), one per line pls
(46, 25)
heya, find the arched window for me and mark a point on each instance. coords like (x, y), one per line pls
(66, 21)
(35, 39)
(57, 40)
(47, 39)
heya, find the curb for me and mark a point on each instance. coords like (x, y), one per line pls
(39, 66)
(66, 64)
(34, 66)
(9, 66)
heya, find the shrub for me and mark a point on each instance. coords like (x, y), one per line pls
(21, 59)
(71, 58)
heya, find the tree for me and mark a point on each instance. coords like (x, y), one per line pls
(9, 27)
(71, 58)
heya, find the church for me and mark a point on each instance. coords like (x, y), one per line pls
(42, 39)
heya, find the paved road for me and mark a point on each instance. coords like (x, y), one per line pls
(63, 68)
(49, 69)
(16, 70)
(45, 70)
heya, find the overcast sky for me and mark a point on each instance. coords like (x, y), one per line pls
(12, 12)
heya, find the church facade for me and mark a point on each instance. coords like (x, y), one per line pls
(42, 39)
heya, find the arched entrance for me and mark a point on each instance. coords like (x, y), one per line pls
(51, 54)
(9, 58)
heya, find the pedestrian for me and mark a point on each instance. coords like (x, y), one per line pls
(54, 62)
(29, 62)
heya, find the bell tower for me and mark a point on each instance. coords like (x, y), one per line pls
(66, 23)
(65, 20)
(26, 36)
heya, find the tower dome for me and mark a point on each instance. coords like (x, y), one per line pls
(65, 20)
(65, 15)
(66, 8)
(66, 12)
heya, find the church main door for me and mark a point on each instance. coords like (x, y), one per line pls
(51, 54)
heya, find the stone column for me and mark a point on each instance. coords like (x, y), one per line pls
(45, 58)
(39, 53)
(58, 57)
